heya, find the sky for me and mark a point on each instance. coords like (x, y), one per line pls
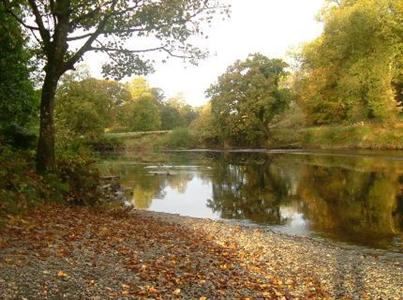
(271, 27)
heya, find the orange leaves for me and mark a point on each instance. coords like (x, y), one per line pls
(61, 274)
(163, 260)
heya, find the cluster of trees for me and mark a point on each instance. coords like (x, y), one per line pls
(87, 107)
(351, 73)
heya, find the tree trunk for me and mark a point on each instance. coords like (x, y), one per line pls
(45, 155)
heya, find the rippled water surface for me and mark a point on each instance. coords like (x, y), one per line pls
(349, 197)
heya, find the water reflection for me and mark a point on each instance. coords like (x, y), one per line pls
(352, 199)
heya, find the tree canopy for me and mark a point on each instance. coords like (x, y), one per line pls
(247, 97)
(87, 107)
(352, 72)
(64, 30)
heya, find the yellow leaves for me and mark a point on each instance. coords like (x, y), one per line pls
(203, 298)
(125, 286)
(61, 274)
(177, 292)
(151, 289)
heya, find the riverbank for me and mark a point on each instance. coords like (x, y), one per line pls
(339, 137)
(77, 252)
(369, 137)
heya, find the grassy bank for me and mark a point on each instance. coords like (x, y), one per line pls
(339, 137)
(324, 137)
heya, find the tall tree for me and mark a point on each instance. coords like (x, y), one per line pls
(142, 114)
(352, 71)
(66, 29)
(247, 98)
(18, 102)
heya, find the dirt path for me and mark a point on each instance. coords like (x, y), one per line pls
(79, 253)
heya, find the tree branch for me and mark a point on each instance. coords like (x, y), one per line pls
(87, 45)
(129, 51)
(79, 37)
(19, 20)
(108, 49)
(45, 35)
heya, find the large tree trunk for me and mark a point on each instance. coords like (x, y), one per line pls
(45, 155)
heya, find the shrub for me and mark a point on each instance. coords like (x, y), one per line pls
(18, 137)
(20, 186)
(75, 181)
(180, 138)
(78, 179)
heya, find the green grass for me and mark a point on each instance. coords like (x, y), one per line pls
(136, 134)
(339, 137)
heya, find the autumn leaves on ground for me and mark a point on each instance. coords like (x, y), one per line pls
(58, 252)
(81, 253)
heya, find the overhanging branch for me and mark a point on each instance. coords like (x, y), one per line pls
(132, 51)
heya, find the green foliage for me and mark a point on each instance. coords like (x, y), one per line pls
(204, 127)
(87, 107)
(20, 186)
(175, 112)
(18, 101)
(180, 138)
(142, 114)
(339, 137)
(347, 73)
(248, 97)
(18, 137)
(170, 117)
(75, 181)
(78, 179)
(106, 26)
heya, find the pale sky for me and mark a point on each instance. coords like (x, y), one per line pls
(271, 27)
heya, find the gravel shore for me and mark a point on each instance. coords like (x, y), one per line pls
(60, 252)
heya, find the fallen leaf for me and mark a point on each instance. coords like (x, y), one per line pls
(61, 274)
(177, 292)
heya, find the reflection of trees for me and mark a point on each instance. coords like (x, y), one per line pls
(179, 181)
(248, 191)
(142, 198)
(360, 205)
(354, 199)
(147, 186)
(360, 199)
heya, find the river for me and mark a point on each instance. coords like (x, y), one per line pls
(349, 197)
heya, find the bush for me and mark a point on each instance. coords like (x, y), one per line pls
(107, 144)
(20, 186)
(18, 137)
(78, 179)
(75, 181)
(180, 138)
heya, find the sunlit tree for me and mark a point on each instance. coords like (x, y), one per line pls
(64, 30)
(247, 97)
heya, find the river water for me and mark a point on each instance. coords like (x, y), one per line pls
(355, 198)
